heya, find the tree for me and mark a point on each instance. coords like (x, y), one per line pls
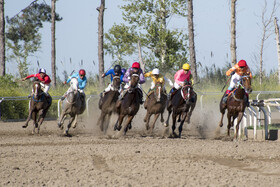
(23, 37)
(101, 10)
(120, 42)
(278, 46)
(2, 39)
(162, 47)
(53, 50)
(267, 25)
(233, 32)
(191, 40)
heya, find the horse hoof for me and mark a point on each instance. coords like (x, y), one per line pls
(36, 125)
(129, 126)
(24, 126)
(165, 124)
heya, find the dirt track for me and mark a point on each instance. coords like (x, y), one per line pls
(89, 158)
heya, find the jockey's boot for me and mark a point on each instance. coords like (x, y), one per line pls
(226, 97)
(247, 100)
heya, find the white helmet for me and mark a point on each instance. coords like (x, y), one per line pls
(42, 70)
(155, 71)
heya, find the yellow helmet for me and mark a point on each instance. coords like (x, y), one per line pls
(186, 66)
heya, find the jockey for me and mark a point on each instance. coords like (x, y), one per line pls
(82, 80)
(116, 71)
(157, 77)
(236, 72)
(135, 68)
(44, 79)
(181, 77)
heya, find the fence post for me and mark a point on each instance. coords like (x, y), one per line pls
(2, 99)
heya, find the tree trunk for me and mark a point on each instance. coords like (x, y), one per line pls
(140, 56)
(101, 10)
(163, 32)
(233, 32)
(53, 44)
(2, 39)
(278, 46)
(191, 40)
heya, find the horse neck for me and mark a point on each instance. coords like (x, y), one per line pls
(239, 93)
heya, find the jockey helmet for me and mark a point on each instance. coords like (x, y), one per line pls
(155, 71)
(135, 65)
(123, 71)
(117, 69)
(242, 63)
(82, 72)
(42, 70)
(186, 66)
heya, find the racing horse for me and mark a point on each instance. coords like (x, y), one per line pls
(182, 105)
(129, 105)
(107, 104)
(155, 104)
(72, 105)
(236, 103)
(39, 103)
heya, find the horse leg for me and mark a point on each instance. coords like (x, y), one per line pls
(66, 132)
(179, 119)
(74, 124)
(167, 120)
(174, 116)
(105, 128)
(161, 117)
(125, 127)
(148, 116)
(153, 124)
(181, 124)
(118, 125)
(222, 110)
(61, 120)
(35, 125)
(229, 123)
(28, 118)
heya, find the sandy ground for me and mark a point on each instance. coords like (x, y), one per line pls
(89, 158)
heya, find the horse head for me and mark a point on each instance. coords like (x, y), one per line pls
(73, 91)
(245, 82)
(158, 91)
(187, 91)
(116, 83)
(134, 80)
(37, 92)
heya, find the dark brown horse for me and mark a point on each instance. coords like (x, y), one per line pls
(107, 104)
(129, 105)
(182, 104)
(155, 104)
(39, 104)
(236, 104)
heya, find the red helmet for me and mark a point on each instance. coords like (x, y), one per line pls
(82, 72)
(135, 65)
(242, 63)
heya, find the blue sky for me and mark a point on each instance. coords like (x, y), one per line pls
(77, 38)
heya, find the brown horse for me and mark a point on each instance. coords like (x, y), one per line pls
(129, 105)
(107, 104)
(39, 104)
(236, 103)
(182, 104)
(155, 104)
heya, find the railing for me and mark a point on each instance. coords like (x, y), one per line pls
(24, 98)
